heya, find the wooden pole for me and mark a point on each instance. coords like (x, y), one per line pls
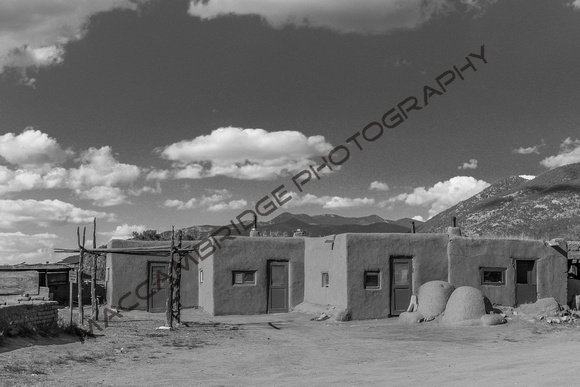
(80, 275)
(94, 304)
(70, 296)
(413, 227)
(169, 302)
(177, 287)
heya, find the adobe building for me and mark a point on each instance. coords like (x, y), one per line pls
(366, 275)
(372, 275)
(138, 281)
(253, 276)
(508, 272)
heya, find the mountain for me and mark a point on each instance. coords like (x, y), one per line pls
(318, 225)
(545, 207)
(328, 219)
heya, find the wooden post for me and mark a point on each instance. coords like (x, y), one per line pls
(70, 296)
(454, 221)
(177, 285)
(94, 304)
(80, 275)
(413, 227)
(169, 302)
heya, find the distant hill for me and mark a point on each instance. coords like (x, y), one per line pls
(319, 225)
(545, 207)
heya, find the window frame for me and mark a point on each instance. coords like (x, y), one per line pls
(244, 281)
(483, 270)
(376, 273)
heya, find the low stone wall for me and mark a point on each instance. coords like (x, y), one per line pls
(29, 314)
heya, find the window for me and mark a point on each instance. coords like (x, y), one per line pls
(492, 275)
(325, 280)
(200, 276)
(244, 277)
(372, 279)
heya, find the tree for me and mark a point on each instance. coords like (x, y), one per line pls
(147, 235)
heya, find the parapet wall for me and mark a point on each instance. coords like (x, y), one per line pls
(41, 313)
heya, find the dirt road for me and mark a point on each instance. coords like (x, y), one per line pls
(290, 349)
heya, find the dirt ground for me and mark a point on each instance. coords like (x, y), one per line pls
(291, 349)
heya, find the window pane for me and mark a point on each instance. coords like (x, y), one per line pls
(372, 280)
(401, 273)
(277, 275)
(493, 276)
(249, 277)
(239, 278)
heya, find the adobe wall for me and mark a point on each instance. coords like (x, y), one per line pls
(245, 253)
(127, 276)
(468, 255)
(373, 252)
(31, 313)
(321, 256)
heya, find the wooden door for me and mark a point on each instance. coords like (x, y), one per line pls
(526, 286)
(401, 284)
(278, 287)
(158, 285)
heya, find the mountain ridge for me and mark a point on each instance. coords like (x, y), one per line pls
(543, 207)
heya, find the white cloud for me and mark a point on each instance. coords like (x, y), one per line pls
(19, 180)
(231, 205)
(217, 201)
(194, 171)
(146, 189)
(249, 154)
(181, 205)
(124, 231)
(33, 32)
(526, 151)
(45, 213)
(379, 186)
(327, 201)
(418, 217)
(575, 4)
(104, 196)
(32, 150)
(528, 177)
(98, 176)
(443, 194)
(16, 247)
(345, 16)
(157, 174)
(529, 150)
(569, 154)
(472, 164)
(99, 168)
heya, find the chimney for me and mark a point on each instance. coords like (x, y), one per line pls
(298, 233)
(254, 231)
(454, 230)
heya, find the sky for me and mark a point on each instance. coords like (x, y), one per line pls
(148, 114)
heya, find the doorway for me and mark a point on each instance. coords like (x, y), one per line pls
(526, 285)
(401, 284)
(277, 286)
(157, 287)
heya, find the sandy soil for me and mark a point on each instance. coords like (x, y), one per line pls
(290, 349)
